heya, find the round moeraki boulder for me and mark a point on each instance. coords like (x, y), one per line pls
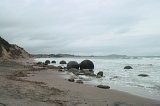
(53, 61)
(128, 67)
(86, 64)
(62, 62)
(47, 62)
(72, 64)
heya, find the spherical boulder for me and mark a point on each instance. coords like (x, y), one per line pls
(47, 62)
(128, 67)
(86, 64)
(53, 61)
(62, 62)
(72, 64)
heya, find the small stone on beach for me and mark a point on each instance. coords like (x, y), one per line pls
(71, 80)
(79, 81)
(103, 86)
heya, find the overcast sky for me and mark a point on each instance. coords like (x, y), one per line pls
(83, 27)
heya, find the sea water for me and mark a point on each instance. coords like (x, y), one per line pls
(122, 79)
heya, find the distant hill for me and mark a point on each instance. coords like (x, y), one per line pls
(11, 51)
(51, 55)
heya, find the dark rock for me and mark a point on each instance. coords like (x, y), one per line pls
(128, 67)
(86, 64)
(71, 80)
(47, 62)
(103, 86)
(79, 81)
(53, 61)
(143, 75)
(100, 73)
(62, 62)
(73, 64)
(61, 70)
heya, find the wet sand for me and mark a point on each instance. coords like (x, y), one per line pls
(46, 87)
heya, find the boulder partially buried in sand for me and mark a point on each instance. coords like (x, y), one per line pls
(72, 64)
(128, 67)
(62, 62)
(53, 61)
(47, 62)
(86, 64)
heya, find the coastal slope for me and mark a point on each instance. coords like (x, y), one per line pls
(11, 51)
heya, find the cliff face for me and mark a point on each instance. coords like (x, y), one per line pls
(11, 51)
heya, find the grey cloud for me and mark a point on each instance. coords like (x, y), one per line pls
(79, 27)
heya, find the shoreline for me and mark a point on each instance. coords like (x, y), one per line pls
(126, 89)
(46, 87)
(134, 85)
(109, 96)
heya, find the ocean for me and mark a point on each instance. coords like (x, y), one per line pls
(121, 79)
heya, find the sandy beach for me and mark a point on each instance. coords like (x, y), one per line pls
(23, 84)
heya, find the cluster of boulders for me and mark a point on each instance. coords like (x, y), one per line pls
(86, 67)
(46, 64)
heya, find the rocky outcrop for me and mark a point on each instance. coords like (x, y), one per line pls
(11, 51)
(72, 64)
